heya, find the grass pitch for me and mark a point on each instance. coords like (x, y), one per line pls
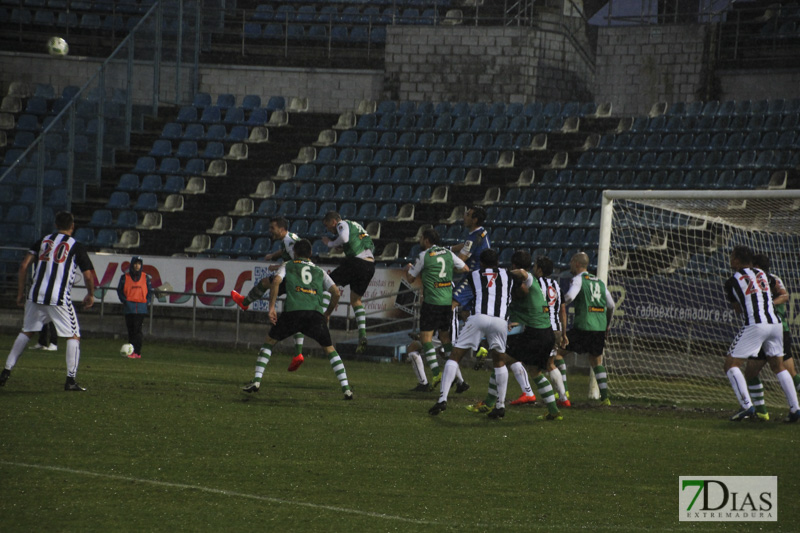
(169, 443)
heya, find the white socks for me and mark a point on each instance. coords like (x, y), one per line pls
(739, 386)
(73, 356)
(501, 376)
(785, 379)
(522, 378)
(418, 366)
(448, 375)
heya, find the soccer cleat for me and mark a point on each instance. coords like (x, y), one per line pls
(480, 358)
(462, 387)
(791, 418)
(438, 408)
(51, 348)
(348, 394)
(134, 356)
(4, 375)
(297, 360)
(497, 413)
(744, 414)
(522, 400)
(761, 417)
(437, 379)
(239, 299)
(479, 407)
(253, 386)
(551, 417)
(72, 386)
(564, 403)
(606, 402)
(362, 345)
(37, 346)
(421, 387)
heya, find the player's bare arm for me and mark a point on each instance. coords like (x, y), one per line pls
(88, 280)
(22, 276)
(335, 295)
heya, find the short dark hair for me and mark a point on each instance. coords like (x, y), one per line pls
(302, 248)
(521, 259)
(545, 264)
(332, 215)
(488, 258)
(743, 254)
(281, 222)
(479, 214)
(762, 261)
(431, 235)
(64, 220)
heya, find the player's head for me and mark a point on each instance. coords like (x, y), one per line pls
(330, 220)
(488, 258)
(474, 217)
(302, 249)
(761, 261)
(65, 221)
(579, 263)
(741, 257)
(521, 260)
(430, 237)
(278, 227)
(544, 266)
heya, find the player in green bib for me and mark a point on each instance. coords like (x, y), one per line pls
(279, 232)
(594, 308)
(358, 267)
(305, 283)
(435, 266)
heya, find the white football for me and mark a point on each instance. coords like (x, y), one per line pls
(56, 46)
(126, 350)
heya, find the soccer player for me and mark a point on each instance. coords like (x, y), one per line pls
(594, 308)
(779, 298)
(543, 269)
(305, 283)
(56, 258)
(356, 270)
(533, 345)
(749, 294)
(278, 231)
(435, 266)
(470, 251)
(491, 287)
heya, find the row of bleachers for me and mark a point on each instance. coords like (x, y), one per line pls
(685, 160)
(429, 140)
(710, 123)
(153, 183)
(187, 150)
(350, 15)
(315, 32)
(360, 174)
(459, 123)
(250, 102)
(660, 179)
(267, 7)
(493, 109)
(723, 140)
(775, 106)
(231, 116)
(474, 158)
(47, 19)
(198, 132)
(122, 6)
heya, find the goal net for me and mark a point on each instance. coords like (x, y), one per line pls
(665, 258)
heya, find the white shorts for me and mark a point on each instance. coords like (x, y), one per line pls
(63, 318)
(477, 326)
(750, 339)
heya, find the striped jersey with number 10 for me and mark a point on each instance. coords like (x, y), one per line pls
(492, 290)
(58, 258)
(749, 287)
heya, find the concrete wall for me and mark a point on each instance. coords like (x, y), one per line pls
(638, 66)
(328, 91)
(509, 64)
(757, 85)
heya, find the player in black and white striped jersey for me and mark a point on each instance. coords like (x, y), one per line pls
(491, 288)
(556, 366)
(749, 293)
(57, 258)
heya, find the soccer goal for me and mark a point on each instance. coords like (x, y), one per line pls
(665, 257)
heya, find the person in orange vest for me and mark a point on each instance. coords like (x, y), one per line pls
(135, 292)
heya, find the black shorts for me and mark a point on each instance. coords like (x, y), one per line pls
(310, 323)
(268, 281)
(435, 317)
(354, 272)
(590, 342)
(787, 348)
(532, 347)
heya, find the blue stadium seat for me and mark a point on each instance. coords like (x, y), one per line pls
(150, 183)
(127, 219)
(147, 201)
(106, 238)
(118, 200)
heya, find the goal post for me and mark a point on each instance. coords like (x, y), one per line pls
(664, 256)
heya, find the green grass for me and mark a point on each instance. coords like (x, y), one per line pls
(169, 443)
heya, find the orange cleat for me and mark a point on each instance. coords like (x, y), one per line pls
(239, 299)
(522, 400)
(565, 403)
(297, 360)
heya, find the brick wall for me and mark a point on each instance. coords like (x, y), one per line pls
(638, 66)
